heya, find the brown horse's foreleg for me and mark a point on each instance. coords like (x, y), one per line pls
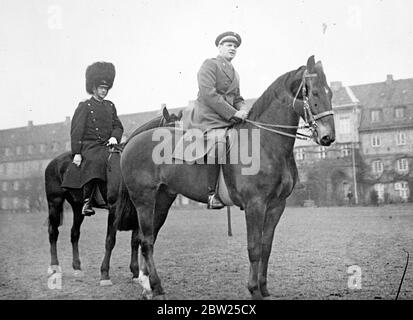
(75, 235)
(272, 216)
(254, 214)
(109, 245)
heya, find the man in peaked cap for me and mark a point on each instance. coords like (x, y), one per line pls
(95, 126)
(219, 103)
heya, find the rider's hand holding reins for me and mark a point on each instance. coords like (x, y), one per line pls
(241, 114)
(77, 159)
(112, 141)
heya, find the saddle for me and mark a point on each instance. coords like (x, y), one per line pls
(216, 145)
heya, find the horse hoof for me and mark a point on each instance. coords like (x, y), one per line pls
(78, 273)
(147, 295)
(54, 269)
(105, 283)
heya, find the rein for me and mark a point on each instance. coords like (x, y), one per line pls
(309, 118)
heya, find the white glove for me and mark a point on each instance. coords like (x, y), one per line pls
(112, 141)
(77, 159)
(241, 114)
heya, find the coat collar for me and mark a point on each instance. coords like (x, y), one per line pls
(226, 67)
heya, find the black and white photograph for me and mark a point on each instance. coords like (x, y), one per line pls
(206, 150)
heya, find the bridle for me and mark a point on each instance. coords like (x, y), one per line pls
(310, 119)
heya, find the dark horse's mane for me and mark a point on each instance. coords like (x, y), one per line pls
(271, 93)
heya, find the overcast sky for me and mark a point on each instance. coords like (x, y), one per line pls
(158, 46)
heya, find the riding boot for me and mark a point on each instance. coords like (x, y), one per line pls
(214, 202)
(88, 192)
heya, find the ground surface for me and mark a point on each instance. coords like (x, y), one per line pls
(312, 251)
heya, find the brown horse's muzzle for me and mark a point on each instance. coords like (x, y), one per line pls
(325, 133)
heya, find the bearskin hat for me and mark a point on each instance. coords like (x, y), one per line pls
(99, 73)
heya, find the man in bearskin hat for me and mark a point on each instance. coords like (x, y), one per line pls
(95, 126)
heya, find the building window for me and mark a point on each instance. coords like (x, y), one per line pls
(299, 154)
(16, 185)
(399, 112)
(19, 150)
(322, 152)
(7, 152)
(402, 165)
(375, 115)
(3, 168)
(42, 148)
(30, 149)
(402, 188)
(55, 146)
(375, 141)
(4, 186)
(401, 138)
(345, 125)
(377, 166)
(379, 187)
(345, 151)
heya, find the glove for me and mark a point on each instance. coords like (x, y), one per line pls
(112, 141)
(77, 159)
(241, 114)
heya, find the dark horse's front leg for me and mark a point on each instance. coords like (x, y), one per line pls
(255, 216)
(272, 216)
(75, 235)
(55, 205)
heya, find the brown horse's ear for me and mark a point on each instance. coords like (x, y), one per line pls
(165, 112)
(310, 64)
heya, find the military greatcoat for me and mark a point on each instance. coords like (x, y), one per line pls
(93, 123)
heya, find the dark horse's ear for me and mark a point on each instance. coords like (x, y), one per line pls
(165, 113)
(310, 64)
(180, 115)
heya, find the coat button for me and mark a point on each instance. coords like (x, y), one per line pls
(91, 111)
(97, 129)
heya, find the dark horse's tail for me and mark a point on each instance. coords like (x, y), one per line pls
(126, 217)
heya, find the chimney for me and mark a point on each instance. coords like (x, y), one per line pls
(335, 85)
(389, 79)
(67, 121)
(30, 124)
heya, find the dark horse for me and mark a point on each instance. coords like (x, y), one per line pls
(152, 188)
(56, 196)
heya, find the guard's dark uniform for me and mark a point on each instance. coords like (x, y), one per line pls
(93, 124)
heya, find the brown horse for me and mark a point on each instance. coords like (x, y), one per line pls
(152, 187)
(56, 196)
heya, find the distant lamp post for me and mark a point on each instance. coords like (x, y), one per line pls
(353, 156)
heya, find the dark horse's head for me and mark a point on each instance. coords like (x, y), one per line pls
(311, 89)
(165, 120)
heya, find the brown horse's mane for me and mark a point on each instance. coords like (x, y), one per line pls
(287, 82)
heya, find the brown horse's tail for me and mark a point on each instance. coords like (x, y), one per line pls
(126, 217)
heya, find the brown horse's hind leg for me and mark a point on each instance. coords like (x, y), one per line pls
(75, 235)
(109, 245)
(272, 216)
(254, 214)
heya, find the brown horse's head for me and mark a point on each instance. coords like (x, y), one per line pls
(319, 96)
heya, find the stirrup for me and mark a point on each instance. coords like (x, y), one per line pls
(87, 209)
(214, 202)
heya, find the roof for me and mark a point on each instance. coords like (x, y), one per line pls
(385, 96)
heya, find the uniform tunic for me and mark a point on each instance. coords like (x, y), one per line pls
(218, 96)
(93, 123)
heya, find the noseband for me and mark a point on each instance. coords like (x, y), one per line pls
(310, 119)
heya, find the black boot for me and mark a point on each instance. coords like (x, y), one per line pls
(214, 202)
(88, 191)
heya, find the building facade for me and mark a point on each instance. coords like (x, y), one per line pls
(372, 155)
